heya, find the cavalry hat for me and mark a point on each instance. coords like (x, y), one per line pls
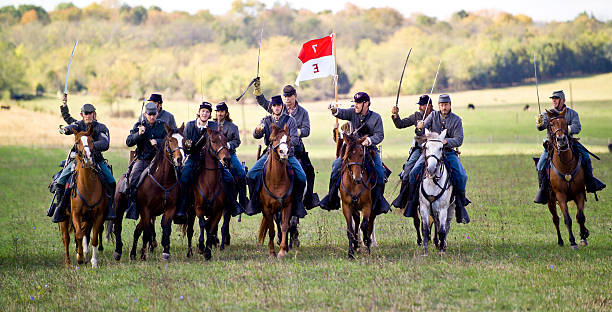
(444, 98)
(361, 97)
(88, 108)
(558, 94)
(424, 100)
(151, 108)
(289, 90)
(276, 100)
(221, 107)
(206, 105)
(155, 98)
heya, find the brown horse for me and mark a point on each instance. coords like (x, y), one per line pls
(88, 203)
(158, 193)
(566, 178)
(276, 193)
(211, 198)
(356, 193)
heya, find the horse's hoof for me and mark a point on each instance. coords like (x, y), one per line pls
(574, 247)
(143, 257)
(583, 242)
(560, 243)
(351, 256)
(419, 242)
(200, 251)
(281, 254)
(165, 256)
(117, 256)
(272, 255)
(94, 264)
(189, 253)
(132, 256)
(207, 254)
(441, 253)
(222, 247)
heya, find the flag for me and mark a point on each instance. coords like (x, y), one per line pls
(317, 58)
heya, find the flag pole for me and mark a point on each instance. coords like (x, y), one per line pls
(335, 75)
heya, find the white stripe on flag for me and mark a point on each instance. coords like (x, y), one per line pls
(316, 68)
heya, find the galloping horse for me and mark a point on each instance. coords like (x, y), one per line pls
(276, 193)
(566, 178)
(435, 192)
(211, 197)
(158, 194)
(88, 203)
(356, 193)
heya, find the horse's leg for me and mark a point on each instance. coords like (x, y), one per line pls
(294, 234)
(581, 218)
(562, 199)
(100, 238)
(190, 222)
(212, 226)
(97, 227)
(225, 234)
(166, 225)
(357, 242)
(137, 232)
(278, 222)
(146, 235)
(153, 240)
(285, 219)
(202, 223)
(66, 238)
(117, 227)
(270, 222)
(425, 227)
(370, 229)
(86, 239)
(417, 226)
(366, 227)
(373, 234)
(552, 207)
(351, 227)
(78, 236)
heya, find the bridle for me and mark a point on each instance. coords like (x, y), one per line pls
(364, 183)
(276, 155)
(361, 164)
(568, 178)
(438, 172)
(86, 162)
(213, 152)
(435, 177)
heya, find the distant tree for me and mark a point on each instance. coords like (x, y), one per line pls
(425, 20)
(155, 8)
(9, 15)
(64, 6)
(41, 15)
(459, 15)
(29, 16)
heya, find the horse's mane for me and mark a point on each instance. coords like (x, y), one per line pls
(159, 155)
(432, 135)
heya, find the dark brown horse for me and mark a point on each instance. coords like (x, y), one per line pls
(88, 202)
(158, 193)
(276, 193)
(566, 178)
(356, 193)
(211, 198)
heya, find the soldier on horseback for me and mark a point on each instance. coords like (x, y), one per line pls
(302, 119)
(573, 124)
(417, 144)
(162, 114)
(366, 123)
(195, 138)
(101, 139)
(280, 118)
(147, 135)
(438, 121)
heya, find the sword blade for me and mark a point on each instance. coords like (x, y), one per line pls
(69, 63)
(259, 49)
(401, 78)
(435, 78)
(535, 72)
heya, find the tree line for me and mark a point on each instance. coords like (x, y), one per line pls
(128, 51)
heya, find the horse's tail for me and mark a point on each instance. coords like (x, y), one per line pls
(263, 230)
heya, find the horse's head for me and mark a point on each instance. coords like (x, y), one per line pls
(433, 151)
(557, 128)
(279, 141)
(84, 145)
(354, 157)
(217, 146)
(174, 144)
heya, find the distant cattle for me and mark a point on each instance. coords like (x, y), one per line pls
(526, 108)
(7, 107)
(610, 147)
(471, 106)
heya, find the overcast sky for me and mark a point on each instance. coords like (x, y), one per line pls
(539, 10)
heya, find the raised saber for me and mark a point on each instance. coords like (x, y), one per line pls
(429, 104)
(401, 78)
(258, 56)
(68, 72)
(535, 72)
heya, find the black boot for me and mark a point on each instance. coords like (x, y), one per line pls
(110, 212)
(236, 207)
(253, 207)
(413, 201)
(298, 202)
(460, 213)
(59, 215)
(542, 195)
(132, 212)
(59, 194)
(331, 201)
(180, 217)
(402, 199)
(242, 193)
(380, 204)
(592, 184)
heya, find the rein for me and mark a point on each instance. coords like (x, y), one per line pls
(215, 155)
(166, 158)
(76, 185)
(435, 178)
(364, 185)
(282, 198)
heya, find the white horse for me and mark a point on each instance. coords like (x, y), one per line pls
(435, 192)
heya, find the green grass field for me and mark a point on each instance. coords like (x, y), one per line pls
(505, 259)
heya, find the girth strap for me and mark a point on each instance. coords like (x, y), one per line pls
(568, 178)
(166, 190)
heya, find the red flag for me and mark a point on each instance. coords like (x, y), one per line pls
(317, 57)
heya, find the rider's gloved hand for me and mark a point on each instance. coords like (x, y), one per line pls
(366, 142)
(539, 120)
(333, 107)
(394, 111)
(61, 130)
(257, 85)
(260, 127)
(187, 144)
(64, 99)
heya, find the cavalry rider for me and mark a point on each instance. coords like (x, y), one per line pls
(147, 135)
(162, 115)
(367, 123)
(573, 126)
(280, 118)
(230, 131)
(195, 138)
(437, 121)
(101, 138)
(417, 144)
(300, 114)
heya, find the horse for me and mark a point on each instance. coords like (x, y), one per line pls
(356, 193)
(211, 197)
(276, 193)
(88, 203)
(566, 178)
(435, 193)
(158, 193)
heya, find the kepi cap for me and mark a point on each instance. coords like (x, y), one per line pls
(206, 105)
(289, 90)
(558, 94)
(276, 100)
(155, 98)
(150, 108)
(444, 98)
(221, 107)
(361, 97)
(424, 100)
(88, 108)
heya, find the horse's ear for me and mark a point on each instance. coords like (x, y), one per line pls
(182, 128)
(89, 130)
(209, 131)
(427, 132)
(220, 128)
(286, 128)
(562, 113)
(550, 113)
(168, 129)
(442, 135)
(275, 129)
(361, 139)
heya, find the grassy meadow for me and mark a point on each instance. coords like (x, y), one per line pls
(505, 259)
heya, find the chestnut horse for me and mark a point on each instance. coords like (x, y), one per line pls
(356, 193)
(566, 178)
(88, 202)
(211, 198)
(276, 192)
(158, 193)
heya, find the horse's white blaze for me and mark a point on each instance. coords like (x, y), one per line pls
(283, 146)
(86, 146)
(179, 138)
